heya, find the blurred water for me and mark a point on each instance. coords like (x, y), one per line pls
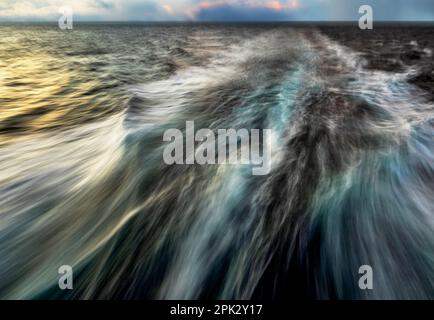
(83, 182)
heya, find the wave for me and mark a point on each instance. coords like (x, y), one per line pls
(350, 185)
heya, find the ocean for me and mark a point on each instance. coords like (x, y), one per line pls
(83, 182)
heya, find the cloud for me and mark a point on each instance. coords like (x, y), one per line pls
(219, 10)
(98, 10)
(104, 4)
(237, 13)
(244, 10)
(138, 10)
(383, 9)
(168, 8)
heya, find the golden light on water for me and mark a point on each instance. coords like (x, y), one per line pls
(42, 88)
(29, 83)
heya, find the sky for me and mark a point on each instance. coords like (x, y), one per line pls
(215, 10)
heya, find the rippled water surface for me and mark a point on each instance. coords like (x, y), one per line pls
(83, 182)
